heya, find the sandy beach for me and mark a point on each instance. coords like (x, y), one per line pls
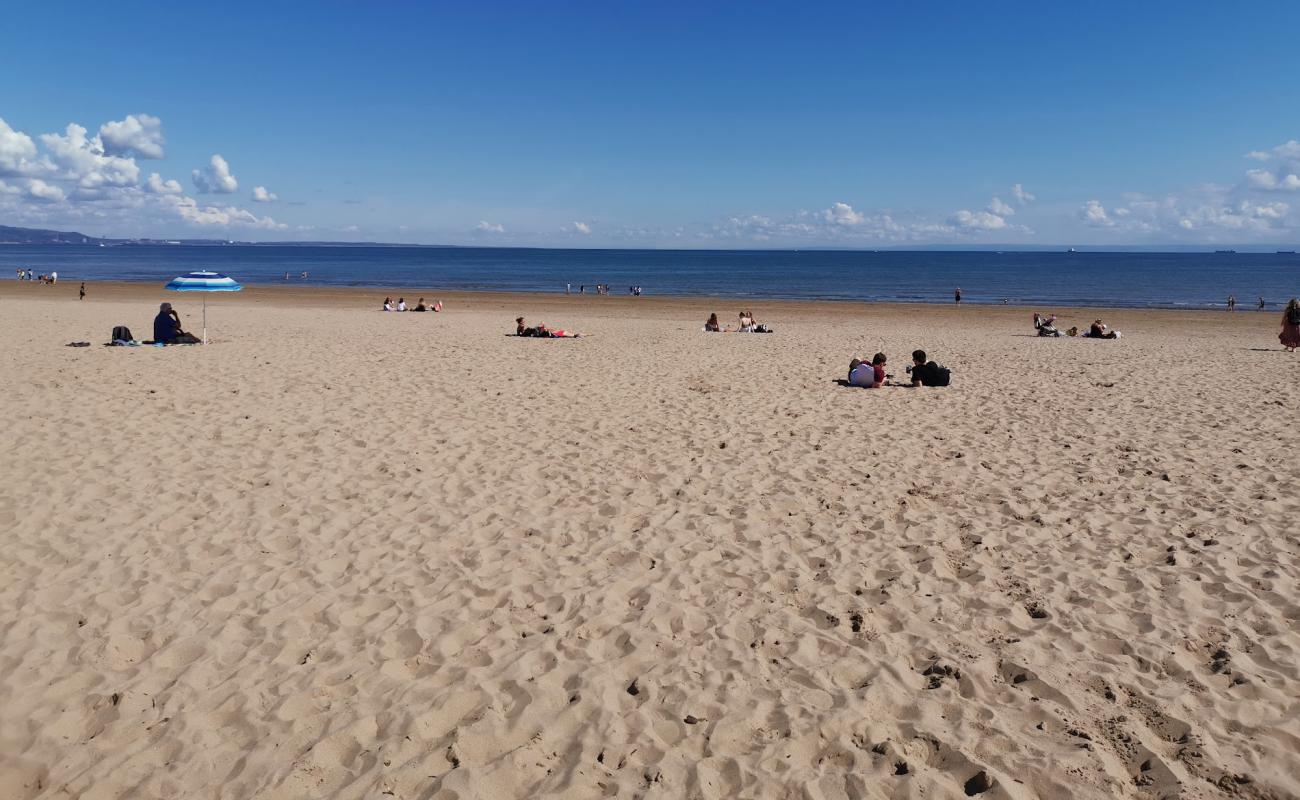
(343, 553)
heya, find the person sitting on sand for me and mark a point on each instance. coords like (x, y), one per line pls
(388, 304)
(746, 322)
(712, 325)
(167, 327)
(868, 376)
(401, 304)
(1045, 325)
(1098, 330)
(927, 373)
(1290, 335)
(420, 306)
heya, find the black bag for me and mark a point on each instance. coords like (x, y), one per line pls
(942, 375)
(121, 332)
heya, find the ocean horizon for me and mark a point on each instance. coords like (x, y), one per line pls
(1029, 277)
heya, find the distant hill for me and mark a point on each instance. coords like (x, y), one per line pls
(10, 235)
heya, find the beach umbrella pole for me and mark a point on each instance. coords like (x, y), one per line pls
(205, 320)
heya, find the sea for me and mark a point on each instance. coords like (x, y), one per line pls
(1135, 279)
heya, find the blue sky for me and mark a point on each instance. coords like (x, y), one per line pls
(656, 124)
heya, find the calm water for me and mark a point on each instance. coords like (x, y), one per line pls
(1112, 279)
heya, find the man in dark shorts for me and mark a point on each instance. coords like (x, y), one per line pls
(167, 327)
(927, 373)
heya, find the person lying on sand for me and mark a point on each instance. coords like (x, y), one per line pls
(541, 331)
(928, 373)
(868, 375)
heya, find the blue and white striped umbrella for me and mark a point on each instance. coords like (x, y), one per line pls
(204, 281)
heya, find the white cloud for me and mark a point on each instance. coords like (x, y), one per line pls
(977, 221)
(43, 192)
(140, 136)
(1021, 194)
(490, 227)
(222, 216)
(261, 195)
(996, 206)
(1258, 155)
(17, 151)
(215, 178)
(1287, 151)
(1272, 182)
(83, 160)
(157, 185)
(581, 227)
(842, 214)
(1094, 214)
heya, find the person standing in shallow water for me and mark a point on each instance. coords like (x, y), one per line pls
(1232, 302)
(956, 296)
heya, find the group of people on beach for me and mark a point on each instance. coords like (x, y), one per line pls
(540, 331)
(400, 305)
(922, 372)
(1045, 325)
(30, 275)
(747, 324)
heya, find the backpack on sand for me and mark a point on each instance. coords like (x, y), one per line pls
(121, 333)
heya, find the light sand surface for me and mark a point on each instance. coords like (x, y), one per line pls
(342, 553)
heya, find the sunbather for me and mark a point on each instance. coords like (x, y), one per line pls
(541, 331)
(868, 375)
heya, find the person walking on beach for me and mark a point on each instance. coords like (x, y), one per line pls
(81, 293)
(1232, 302)
(1290, 335)
(957, 295)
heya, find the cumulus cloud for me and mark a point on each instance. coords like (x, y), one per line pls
(1287, 151)
(43, 192)
(1272, 181)
(18, 153)
(70, 178)
(1093, 213)
(157, 185)
(996, 206)
(842, 214)
(261, 195)
(1021, 194)
(222, 216)
(581, 228)
(137, 135)
(977, 221)
(215, 178)
(83, 160)
(489, 227)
